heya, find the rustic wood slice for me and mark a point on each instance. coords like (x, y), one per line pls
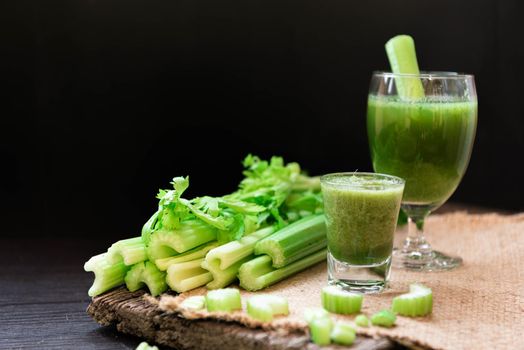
(133, 314)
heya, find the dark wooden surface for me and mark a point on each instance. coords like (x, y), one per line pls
(43, 296)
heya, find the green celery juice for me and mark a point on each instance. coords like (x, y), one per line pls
(361, 214)
(427, 143)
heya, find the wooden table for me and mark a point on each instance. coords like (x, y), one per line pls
(43, 296)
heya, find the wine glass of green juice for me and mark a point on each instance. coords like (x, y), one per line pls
(421, 127)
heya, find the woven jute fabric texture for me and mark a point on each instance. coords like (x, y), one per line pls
(477, 306)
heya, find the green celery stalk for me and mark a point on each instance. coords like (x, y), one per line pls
(223, 262)
(187, 275)
(222, 278)
(295, 241)
(107, 276)
(195, 253)
(304, 183)
(259, 272)
(403, 60)
(146, 273)
(130, 251)
(230, 253)
(150, 226)
(191, 234)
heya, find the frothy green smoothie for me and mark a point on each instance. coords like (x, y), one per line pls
(426, 143)
(361, 213)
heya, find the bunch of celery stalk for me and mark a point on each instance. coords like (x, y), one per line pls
(270, 228)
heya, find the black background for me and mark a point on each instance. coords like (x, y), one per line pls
(106, 101)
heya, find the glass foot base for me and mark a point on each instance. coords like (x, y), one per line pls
(366, 279)
(434, 261)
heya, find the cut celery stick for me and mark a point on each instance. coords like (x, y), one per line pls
(418, 302)
(362, 321)
(259, 273)
(320, 329)
(187, 275)
(313, 313)
(195, 253)
(145, 346)
(224, 262)
(191, 234)
(222, 278)
(403, 60)
(343, 333)
(194, 303)
(234, 251)
(133, 278)
(264, 307)
(338, 301)
(225, 300)
(146, 273)
(384, 318)
(130, 251)
(107, 276)
(293, 242)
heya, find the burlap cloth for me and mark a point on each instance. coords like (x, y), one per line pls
(477, 306)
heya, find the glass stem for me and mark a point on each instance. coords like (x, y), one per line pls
(415, 246)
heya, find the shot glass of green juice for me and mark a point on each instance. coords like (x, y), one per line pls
(361, 212)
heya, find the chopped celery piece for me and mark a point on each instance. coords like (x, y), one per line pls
(313, 313)
(145, 346)
(295, 241)
(343, 333)
(320, 329)
(234, 251)
(191, 234)
(259, 272)
(226, 300)
(195, 303)
(261, 312)
(362, 321)
(384, 318)
(222, 278)
(418, 302)
(146, 273)
(338, 301)
(195, 253)
(131, 251)
(279, 305)
(107, 276)
(264, 307)
(187, 275)
(403, 60)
